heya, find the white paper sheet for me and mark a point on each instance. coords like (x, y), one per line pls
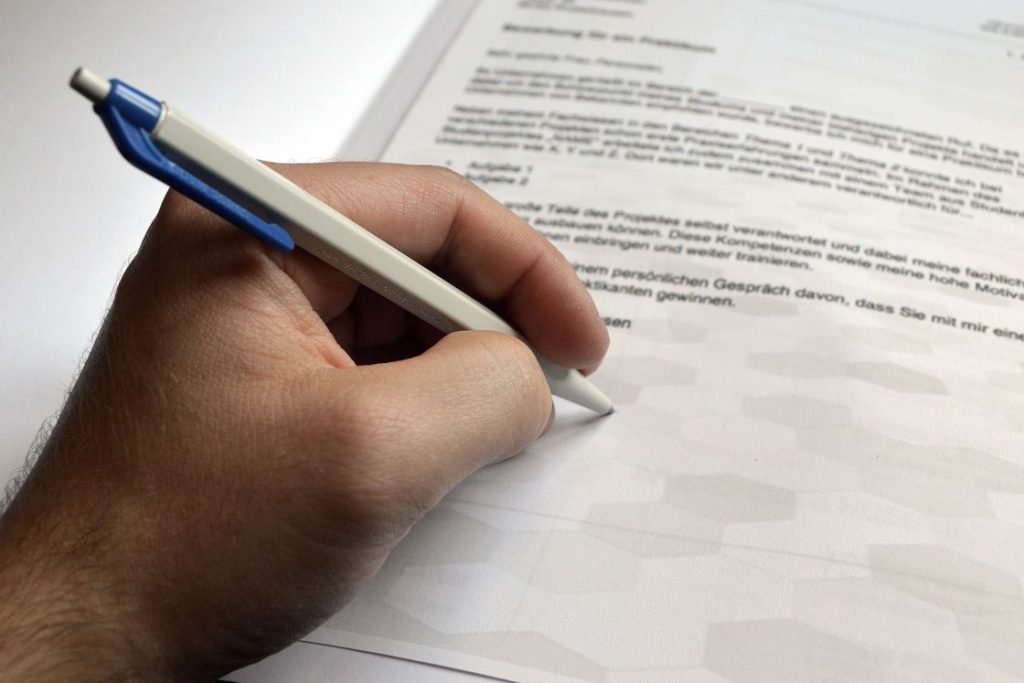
(803, 221)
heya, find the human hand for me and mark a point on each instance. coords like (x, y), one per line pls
(226, 471)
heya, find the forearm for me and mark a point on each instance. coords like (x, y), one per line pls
(64, 615)
(49, 635)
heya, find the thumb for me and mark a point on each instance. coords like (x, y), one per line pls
(414, 429)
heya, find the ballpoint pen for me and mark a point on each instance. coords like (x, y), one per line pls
(167, 145)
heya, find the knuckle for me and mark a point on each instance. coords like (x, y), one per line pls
(176, 209)
(518, 367)
(520, 394)
(443, 181)
(517, 353)
(135, 295)
(445, 175)
(324, 181)
(365, 425)
(129, 281)
(360, 483)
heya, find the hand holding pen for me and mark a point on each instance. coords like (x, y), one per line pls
(169, 146)
(226, 474)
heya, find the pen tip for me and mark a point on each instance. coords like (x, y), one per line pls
(93, 86)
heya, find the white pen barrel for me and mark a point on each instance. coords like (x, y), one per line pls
(326, 233)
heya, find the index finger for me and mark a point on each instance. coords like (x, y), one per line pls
(445, 222)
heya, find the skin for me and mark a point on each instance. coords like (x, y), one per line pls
(253, 433)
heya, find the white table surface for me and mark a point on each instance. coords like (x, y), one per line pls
(284, 81)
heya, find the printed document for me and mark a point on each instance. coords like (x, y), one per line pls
(803, 223)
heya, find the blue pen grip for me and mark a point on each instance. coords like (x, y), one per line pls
(136, 146)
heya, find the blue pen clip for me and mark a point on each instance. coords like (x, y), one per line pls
(129, 116)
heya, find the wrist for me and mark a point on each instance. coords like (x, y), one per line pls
(53, 631)
(64, 613)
